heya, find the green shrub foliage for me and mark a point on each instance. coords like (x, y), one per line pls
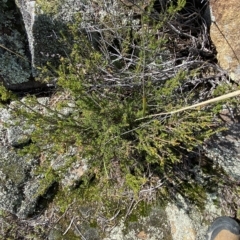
(104, 93)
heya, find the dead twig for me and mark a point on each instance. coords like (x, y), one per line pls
(133, 204)
(22, 57)
(77, 229)
(69, 226)
(63, 215)
(152, 188)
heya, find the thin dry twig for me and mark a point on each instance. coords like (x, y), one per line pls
(69, 226)
(115, 215)
(152, 188)
(65, 212)
(77, 229)
(133, 204)
(2, 46)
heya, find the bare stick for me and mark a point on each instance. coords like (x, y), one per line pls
(223, 97)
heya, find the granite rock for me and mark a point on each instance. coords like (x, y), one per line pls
(224, 150)
(225, 35)
(15, 64)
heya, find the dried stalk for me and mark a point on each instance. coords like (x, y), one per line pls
(213, 100)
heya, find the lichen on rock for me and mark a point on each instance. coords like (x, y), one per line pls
(15, 66)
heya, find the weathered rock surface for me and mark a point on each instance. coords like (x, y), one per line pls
(188, 222)
(225, 35)
(153, 227)
(17, 185)
(16, 172)
(20, 188)
(15, 66)
(27, 9)
(181, 224)
(224, 149)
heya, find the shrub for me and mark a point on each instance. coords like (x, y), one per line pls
(104, 95)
